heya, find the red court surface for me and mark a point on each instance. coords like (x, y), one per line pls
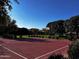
(32, 48)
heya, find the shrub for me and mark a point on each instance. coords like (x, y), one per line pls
(73, 51)
(58, 56)
(11, 36)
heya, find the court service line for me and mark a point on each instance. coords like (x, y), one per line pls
(14, 52)
(51, 52)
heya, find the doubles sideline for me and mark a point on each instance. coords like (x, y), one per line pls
(51, 52)
(14, 52)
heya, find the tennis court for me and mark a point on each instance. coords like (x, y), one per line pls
(31, 49)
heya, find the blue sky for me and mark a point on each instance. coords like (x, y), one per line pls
(38, 13)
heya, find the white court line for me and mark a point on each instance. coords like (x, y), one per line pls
(51, 52)
(14, 52)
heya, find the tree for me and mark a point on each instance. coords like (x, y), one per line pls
(75, 24)
(72, 26)
(5, 7)
(56, 26)
(5, 19)
(12, 27)
(35, 30)
(61, 28)
(45, 31)
(53, 27)
(3, 24)
(68, 26)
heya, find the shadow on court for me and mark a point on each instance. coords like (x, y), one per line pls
(33, 40)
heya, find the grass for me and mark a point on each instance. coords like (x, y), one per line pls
(32, 36)
(40, 36)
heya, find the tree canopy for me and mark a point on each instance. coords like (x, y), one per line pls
(64, 26)
(5, 20)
